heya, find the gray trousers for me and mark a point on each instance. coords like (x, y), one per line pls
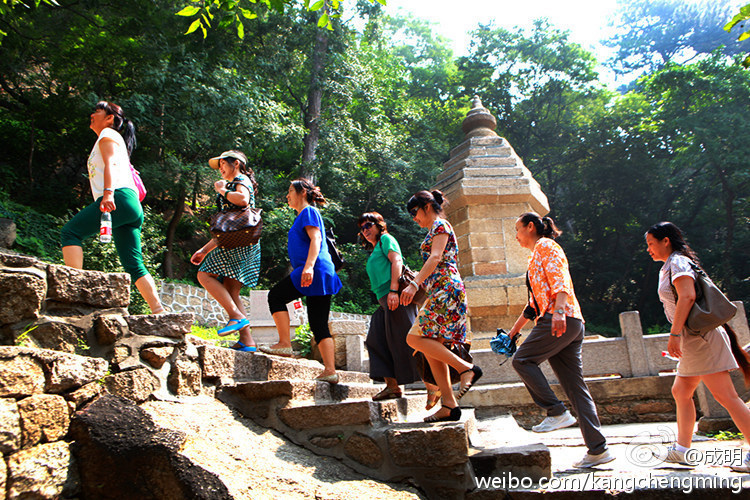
(564, 356)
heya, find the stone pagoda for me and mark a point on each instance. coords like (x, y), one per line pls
(488, 187)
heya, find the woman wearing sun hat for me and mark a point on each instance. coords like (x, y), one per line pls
(224, 271)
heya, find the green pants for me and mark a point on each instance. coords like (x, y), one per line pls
(127, 220)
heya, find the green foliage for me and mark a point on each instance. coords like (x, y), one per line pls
(38, 234)
(657, 329)
(226, 14)
(23, 339)
(739, 20)
(726, 436)
(303, 336)
(205, 332)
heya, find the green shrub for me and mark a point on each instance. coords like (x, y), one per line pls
(303, 336)
(38, 234)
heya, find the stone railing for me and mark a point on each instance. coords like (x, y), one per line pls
(632, 355)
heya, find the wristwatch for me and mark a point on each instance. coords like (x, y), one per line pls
(560, 311)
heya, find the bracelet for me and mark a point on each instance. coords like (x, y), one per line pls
(412, 282)
(393, 291)
(109, 189)
(226, 193)
(675, 335)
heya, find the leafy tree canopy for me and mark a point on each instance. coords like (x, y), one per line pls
(651, 33)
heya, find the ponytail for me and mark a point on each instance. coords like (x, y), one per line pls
(545, 226)
(740, 355)
(124, 126)
(312, 192)
(127, 131)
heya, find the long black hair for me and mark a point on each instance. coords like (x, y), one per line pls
(545, 226)
(676, 239)
(124, 126)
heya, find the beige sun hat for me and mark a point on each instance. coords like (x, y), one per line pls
(238, 155)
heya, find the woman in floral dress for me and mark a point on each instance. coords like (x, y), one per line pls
(442, 320)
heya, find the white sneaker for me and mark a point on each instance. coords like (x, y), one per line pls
(674, 456)
(745, 467)
(590, 460)
(554, 423)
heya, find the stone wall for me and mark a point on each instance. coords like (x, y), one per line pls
(182, 297)
(40, 390)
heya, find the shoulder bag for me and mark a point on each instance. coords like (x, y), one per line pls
(336, 257)
(139, 186)
(711, 307)
(234, 226)
(407, 276)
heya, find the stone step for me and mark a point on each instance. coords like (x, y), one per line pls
(174, 325)
(618, 400)
(530, 460)
(341, 414)
(503, 447)
(299, 391)
(228, 366)
(374, 438)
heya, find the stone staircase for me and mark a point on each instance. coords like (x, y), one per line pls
(385, 440)
(154, 358)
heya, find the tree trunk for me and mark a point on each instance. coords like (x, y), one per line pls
(32, 146)
(179, 209)
(314, 99)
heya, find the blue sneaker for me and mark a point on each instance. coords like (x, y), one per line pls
(232, 326)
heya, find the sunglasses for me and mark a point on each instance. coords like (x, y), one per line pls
(366, 225)
(413, 212)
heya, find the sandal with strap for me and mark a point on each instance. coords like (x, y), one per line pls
(239, 346)
(432, 399)
(453, 416)
(233, 325)
(387, 393)
(477, 375)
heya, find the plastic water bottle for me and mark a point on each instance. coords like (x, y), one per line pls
(669, 356)
(105, 229)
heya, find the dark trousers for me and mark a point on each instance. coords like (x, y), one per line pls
(318, 306)
(564, 356)
(390, 356)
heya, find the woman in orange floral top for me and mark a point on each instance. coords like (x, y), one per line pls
(557, 338)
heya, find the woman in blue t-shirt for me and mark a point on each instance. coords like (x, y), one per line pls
(313, 277)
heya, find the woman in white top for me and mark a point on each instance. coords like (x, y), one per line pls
(708, 357)
(114, 190)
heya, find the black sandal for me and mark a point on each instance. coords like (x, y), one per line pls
(477, 375)
(453, 416)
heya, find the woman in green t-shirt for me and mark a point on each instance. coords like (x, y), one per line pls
(391, 360)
